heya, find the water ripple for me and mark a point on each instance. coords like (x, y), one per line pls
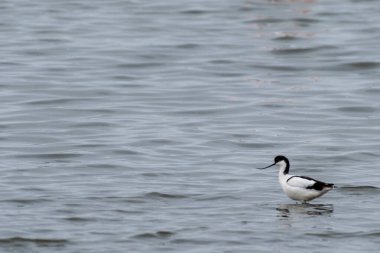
(361, 65)
(337, 234)
(299, 50)
(42, 242)
(359, 189)
(358, 109)
(156, 235)
(50, 156)
(287, 210)
(135, 126)
(159, 195)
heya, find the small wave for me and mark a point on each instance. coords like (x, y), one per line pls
(102, 166)
(138, 65)
(358, 188)
(155, 174)
(92, 124)
(371, 90)
(221, 61)
(79, 219)
(155, 235)
(363, 65)
(37, 241)
(284, 68)
(164, 195)
(52, 101)
(194, 12)
(198, 241)
(351, 156)
(133, 200)
(287, 37)
(27, 201)
(357, 109)
(265, 20)
(298, 50)
(334, 234)
(256, 145)
(200, 112)
(188, 46)
(126, 152)
(357, 66)
(306, 20)
(50, 156)
(224, 197)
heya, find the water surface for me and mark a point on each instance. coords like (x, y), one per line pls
(137, 126)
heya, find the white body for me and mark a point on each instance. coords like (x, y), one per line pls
(296, 187)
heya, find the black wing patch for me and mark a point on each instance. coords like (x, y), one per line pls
(318, 185)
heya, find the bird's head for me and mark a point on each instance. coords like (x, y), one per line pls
(281, 161)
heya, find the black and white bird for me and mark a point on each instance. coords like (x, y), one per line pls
(298, 188)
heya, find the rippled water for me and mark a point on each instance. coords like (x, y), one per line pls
(136, 126)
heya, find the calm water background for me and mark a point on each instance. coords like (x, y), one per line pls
(136, 126)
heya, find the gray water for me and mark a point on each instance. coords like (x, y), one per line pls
(136, 126)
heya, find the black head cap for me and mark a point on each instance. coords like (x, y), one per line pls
(280, 158)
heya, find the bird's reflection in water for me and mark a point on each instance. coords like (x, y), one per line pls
(287, 210)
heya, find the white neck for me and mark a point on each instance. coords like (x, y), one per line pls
(282, 166)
